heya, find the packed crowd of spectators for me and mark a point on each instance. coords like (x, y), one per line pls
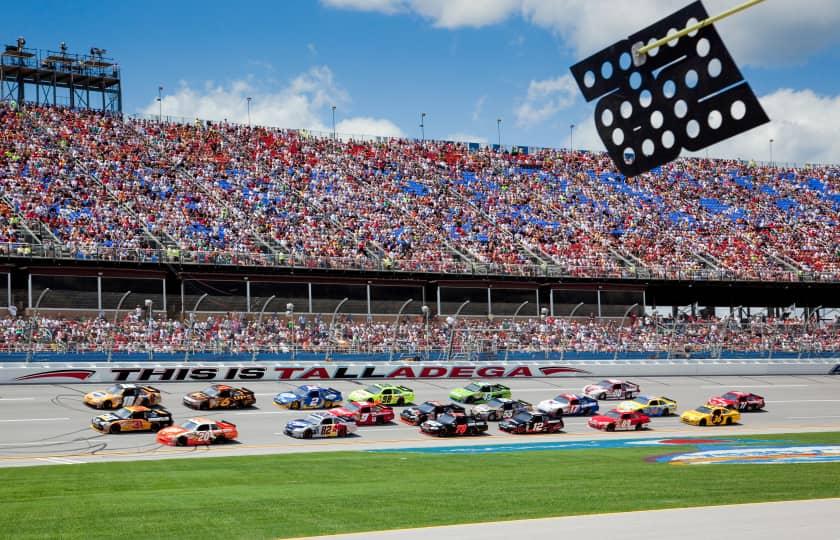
(90, 185)
(235, 333)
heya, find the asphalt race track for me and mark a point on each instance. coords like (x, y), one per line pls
(49, 424)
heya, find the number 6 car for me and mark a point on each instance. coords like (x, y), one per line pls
(318, 425)
(198, 432)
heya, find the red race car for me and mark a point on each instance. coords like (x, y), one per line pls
(198, 431)
(616, 420)
(740, 401)
(364, 414)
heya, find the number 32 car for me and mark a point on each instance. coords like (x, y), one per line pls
(197, 432)
(320, 424)
(133, 418)
(479, 392)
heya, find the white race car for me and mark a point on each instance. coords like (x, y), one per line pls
(612, 389)
(318, 425)
(569, 405)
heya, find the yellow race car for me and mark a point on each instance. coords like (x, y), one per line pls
(709, 415)
(133, 418)
(122, 395)
(650, 406)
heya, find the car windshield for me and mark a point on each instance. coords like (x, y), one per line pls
(301, 391)
(373, 389)
(561, 400)
(123, 413)
(642, 400)
(730, 395)
(522, 417)
(445, 418)
(613, 414)
(352, 407)
(313, 419)
(426, 408)
(605, 384)
(472, 387)
(116, 389)
(703, 409)
(495, 403)
(189, 425)
(211, 391)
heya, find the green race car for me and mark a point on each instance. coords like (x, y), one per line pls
(479, 392)
(385, 393)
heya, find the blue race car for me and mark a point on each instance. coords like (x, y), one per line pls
(308, 397)
(569, 405)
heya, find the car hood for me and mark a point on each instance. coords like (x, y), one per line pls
(460, 392)
(171, 431)
(285, 397)
(110, 417)
(630, 406)
(198, 395)
(98, 395)
(359, 395)
(294, 424)
(549, 404)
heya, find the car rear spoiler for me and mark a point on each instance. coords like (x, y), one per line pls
(330, 388)
(405, 388)
(152, 388)
(227, 422)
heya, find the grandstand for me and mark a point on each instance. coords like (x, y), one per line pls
(136, 234)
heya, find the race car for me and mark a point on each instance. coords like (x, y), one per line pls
(123, 394)
(616, 420)
(220, 396)
(651, 406)
(741, 401)
(569, 405)
(531, 422)
(711, 415)
(308, 397)
(388, 394)
(319, 424)
(454, 425)
(479, 392)
(499, 408)
(612, 389)
(364, 413)
(197, 432)
(429, 410)
(133, 418)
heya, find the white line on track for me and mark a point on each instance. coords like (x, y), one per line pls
(37, 443)
(757, 386)
(807, 401)
(34, 419)
(61, 461)
(810, 417)
(17, 399)
(267, 412)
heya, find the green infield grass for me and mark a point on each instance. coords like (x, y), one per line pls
(322, 493)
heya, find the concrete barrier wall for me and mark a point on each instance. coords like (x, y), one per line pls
(325, 371)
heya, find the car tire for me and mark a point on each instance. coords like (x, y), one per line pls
(602, 396)
(328, 405)
(702, 422)
(400, 402)
(115, 428)
(666, 412)
(728, 421)
(106, 405)
(156, 427)
(640, 427)
(370, 400)
(204, 406)
(307, 434)
(611, 427)
(294, 405)
(181, 441)
(379, 420)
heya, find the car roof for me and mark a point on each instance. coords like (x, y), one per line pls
(202, 420)
(136, 408)
(222, 386)
(321, 414)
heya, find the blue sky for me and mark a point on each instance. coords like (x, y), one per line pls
(463, 62)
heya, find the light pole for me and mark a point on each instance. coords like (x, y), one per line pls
(160, 103)
(32, 321)
(620, 326)
(569, 319)
(333, 121)
(425, 310)
(192, 325)
(453, 321)
(259, 324)
(771, 152)
(116, 316)
(515, 315)
(397, 327)
(423, 127)
(499, 131)
(572, 138)
(248, 99)
(290, 311)
(332, 325)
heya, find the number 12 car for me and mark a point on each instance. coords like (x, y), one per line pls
(531, 422)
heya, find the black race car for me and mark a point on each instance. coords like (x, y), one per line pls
(500, 408)
(531, 422)
(429, 410)
(220, 396)
(454, 425)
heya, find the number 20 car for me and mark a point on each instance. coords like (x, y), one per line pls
(197, 432)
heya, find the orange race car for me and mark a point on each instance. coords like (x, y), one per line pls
(198, 431)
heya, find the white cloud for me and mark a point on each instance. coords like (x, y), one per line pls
(479, 106)
(363, 125)
(302, 103)
(544, 99)
(465, 137)
(768, 34)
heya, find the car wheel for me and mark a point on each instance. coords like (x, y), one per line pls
(400, 402)
(639, 427)
(380, 420)
(611, 427)
(204, 406)
(106, 405)
(370, 400)
(666, 412)
(294, 405)
(602, 396)
(729, 421)
(115, 428)
(328, 404)
(156, 427)
(181, 441)
(307, 434)
(702, 422)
